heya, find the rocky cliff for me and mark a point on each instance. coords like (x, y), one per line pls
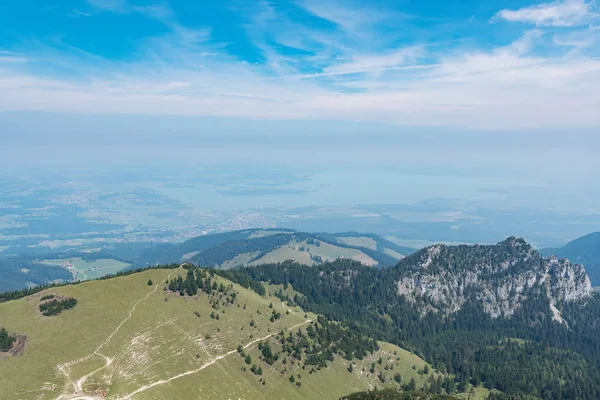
(501, 277)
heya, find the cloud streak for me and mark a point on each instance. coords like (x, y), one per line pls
(327, 74)
(561, 13)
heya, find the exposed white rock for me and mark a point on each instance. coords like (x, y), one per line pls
(498, 276)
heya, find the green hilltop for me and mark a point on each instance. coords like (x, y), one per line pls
(130, 337)
(259, 246)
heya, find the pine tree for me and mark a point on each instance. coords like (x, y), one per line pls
(6, 340)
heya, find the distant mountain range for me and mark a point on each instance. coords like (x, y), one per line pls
(24, 266)
(584, 250)
(259, 246)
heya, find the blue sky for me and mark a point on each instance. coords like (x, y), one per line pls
(378, 101)
(510, 65)
(450, 98)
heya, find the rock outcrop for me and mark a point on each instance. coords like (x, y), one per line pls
(501, 277)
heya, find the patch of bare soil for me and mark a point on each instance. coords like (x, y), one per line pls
(96, 390)
(17, 347)
(57, 297)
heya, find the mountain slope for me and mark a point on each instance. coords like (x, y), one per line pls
(128, 338)
(22, 266)
(500, 315)
(168, 253)
(443, 278)
(584, 250)
(256, 246)
(374, 242)
(17, 273)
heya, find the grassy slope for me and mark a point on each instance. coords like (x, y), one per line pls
(86, 268)
(237, 248)
(326, 251)
(263, 233)
(360, 241)
(394, 254)
(283, 254)
(375, 242)
(160, 339)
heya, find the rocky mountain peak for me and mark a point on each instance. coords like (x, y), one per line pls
(500, 277)
(515, 242)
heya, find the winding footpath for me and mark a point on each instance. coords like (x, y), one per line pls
(206, 365)
(78, 384)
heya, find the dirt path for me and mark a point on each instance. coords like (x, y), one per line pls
(78, 385)
(205, 365)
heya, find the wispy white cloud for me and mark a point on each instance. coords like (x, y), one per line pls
(187, 72)
(78, 13)
(561, 13)
(11, 57)
(346, 16)
(366, 63)
(157, 11)
(579, 39)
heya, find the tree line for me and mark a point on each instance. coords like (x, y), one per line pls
(6, 340)
(549, 361)
(56, 306)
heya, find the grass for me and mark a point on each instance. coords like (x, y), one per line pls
(272, 289)
(240, 259)
(283, 254)
(326, 251)
(479, 393)
(85, 270)
(259, 234)
(361, 241)
(155, 335)
(393, 253)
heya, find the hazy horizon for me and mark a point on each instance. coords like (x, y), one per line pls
(311, 103)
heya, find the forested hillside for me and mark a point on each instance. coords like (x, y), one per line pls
(546, 346)
(18, 272)
(238, 248)
(25, 266)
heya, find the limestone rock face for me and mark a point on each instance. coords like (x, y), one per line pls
(444, 278)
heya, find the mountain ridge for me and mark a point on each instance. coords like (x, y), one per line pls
(23, 266)
(584, 250)
(218, 250)
(499, 276)
(521, 345)
(219, 341)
